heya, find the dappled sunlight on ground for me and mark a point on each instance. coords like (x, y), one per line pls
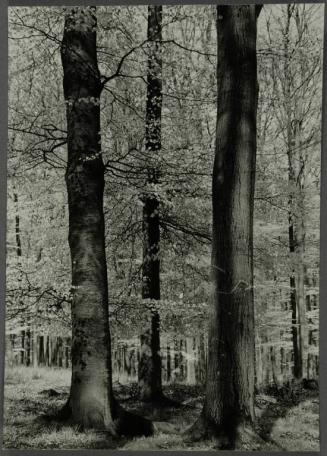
(29, 394)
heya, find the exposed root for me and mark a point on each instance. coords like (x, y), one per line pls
(247, 438)
(160, 401)
(61, 417)
(131, 425)
(124, 423)
(164, 401)
(163, 426)
(244, 437)
(197, 432)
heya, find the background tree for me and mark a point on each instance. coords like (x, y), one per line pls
(289, 132)
(150, 361)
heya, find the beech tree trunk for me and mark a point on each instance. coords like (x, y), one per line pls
(24, 335)
(229, 400)
(296, 169)
(296, 248)
(150, 379)
(91, 402)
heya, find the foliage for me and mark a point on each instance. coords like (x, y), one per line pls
(38, 280)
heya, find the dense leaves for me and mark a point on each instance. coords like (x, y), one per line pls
(38, 279)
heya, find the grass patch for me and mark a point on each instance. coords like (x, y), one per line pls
(31, 393)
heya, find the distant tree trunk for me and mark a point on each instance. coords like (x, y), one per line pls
(168, 363)
(22, 345)
(47, 351)
(273, 365)
(59, 357)
(41, 357)
(17, 229)
(296, 165)
(25, 353)
(35, 348)
(190, 359)
(91, 402)
(229, 400)
(67, 352)
(150, 381)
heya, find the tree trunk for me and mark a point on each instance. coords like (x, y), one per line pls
(47, 352)
(229, 401)
(67, 353)
(91, 402)
(168, 363)
(41, 357)
(190, 359)
(296, 173)
(150, 381)
(19, 280)
(22, 344)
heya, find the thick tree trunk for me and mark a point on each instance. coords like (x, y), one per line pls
(91, 402)
(229, 401)
(150, 381)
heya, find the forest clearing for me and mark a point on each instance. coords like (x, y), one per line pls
(163, 227)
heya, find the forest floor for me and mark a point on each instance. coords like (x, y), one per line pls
(286, 422)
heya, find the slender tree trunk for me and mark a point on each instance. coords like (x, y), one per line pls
(229, 401)
(67, 353)
(91, 402)
(150, 381)
(190, 343)
(47, 352)
(41, 351)
(17, 230)
(25, 354)
(296, 168)
(296, 247)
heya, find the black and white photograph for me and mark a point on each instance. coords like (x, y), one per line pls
(163, 227)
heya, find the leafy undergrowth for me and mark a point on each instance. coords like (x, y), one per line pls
(285, 423)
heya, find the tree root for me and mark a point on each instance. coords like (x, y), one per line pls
(124, 423)
(247, 438)
(131, 425)
(197, 431)
(244, 437)
(162, 401)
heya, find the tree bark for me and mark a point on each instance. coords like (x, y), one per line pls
(150, 377)
(25, 353)
(296, 231)
(91, 403)
(229, 400)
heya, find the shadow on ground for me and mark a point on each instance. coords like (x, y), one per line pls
(289, 416)
(285, 421)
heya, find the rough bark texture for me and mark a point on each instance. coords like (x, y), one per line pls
(229, 401)
(91, 402)
(150, 381)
